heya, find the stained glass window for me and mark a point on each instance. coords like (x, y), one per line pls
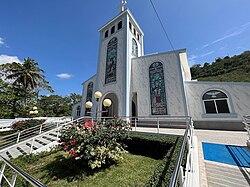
(215, 102)
(134, 48)
(89, 96)
(157, 89)
(111, 60)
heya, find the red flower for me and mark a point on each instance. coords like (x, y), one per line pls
(72, 152)
(73, 142)
(87, 124)
(65, 147)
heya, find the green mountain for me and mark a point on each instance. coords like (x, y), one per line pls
(227, 69)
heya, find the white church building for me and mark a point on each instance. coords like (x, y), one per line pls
(157, 85)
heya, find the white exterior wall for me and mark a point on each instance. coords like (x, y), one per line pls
(238, 96)
(173, 83)
(84, 94)
(74, 109)
(116, 87)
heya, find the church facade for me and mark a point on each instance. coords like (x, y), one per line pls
(157, 85)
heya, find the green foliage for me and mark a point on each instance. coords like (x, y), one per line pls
(228, 69)
(54, 105)
(26, 75)
(19, 90)
(56, 169)
(165, 148)
(97, 144)
(25, 124)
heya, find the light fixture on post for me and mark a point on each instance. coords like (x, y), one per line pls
(97, 95)
(106, 103)
(88, 106)
(34, 111)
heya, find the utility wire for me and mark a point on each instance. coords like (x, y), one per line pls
(165, 32)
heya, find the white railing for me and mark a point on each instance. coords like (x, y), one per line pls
(35, 133)
(188, 176)
(19, 136)
(246, 121)
(16, 171)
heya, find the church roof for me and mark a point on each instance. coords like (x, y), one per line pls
(126, 11)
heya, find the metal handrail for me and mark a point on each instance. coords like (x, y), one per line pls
(174, 176)
(22, 173)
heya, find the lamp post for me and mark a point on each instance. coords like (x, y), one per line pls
(88, 106)
(34, 111)
(97, 95)
(106, 103)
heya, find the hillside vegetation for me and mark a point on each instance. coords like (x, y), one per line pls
(227, 69)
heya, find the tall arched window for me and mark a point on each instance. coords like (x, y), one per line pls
(112, 29)
(134, 48)
(89, 91)
(106, 33)
(89, 97)
(111, 60)
(215, 102)
(157, 89)
(119, 25)
(78, 111)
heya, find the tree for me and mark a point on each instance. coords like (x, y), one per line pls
(21, 86)
(74, 98)
(54, 105)
(26, 75)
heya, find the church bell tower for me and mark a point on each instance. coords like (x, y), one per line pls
(121, 39)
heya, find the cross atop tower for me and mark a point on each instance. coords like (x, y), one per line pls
(121, 7)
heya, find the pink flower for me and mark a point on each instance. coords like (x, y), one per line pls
(72, 152)
(65, 147)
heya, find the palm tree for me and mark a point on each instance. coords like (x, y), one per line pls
(26, 79)
(26, 76)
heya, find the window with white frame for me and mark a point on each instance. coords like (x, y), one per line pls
(215, 102)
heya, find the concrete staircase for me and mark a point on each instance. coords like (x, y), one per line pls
(34, 140)
(221, 175)
(35, 144)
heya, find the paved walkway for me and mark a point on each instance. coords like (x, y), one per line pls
(215, 174)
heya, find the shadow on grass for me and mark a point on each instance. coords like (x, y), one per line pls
(68, 169)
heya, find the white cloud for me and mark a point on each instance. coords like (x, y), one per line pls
(206, 54)
(8, 59)
(192, 59)
(64, 76)
(1, 42)
(237, 32)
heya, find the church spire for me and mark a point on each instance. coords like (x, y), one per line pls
(121, 7)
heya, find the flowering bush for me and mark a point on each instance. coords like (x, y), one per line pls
(25, 124)
(96, 143)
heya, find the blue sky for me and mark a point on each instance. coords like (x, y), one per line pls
(62, 35)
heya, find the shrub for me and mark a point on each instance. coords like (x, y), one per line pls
(97, 143)
(25, 124)
(161, 147)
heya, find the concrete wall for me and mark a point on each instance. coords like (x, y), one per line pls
(173, 83)
(84, 95)
(239, 104)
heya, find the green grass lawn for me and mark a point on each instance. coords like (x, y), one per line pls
(57, 170)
